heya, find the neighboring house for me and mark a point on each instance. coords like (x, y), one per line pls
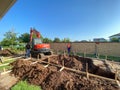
(83, 41)
(117, 36)
(99, 40)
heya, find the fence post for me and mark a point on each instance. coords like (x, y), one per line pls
(98, 56)
(57, 52)
(106, 57)
(84, 55)
(64, 53)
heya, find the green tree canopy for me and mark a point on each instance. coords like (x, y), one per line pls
(114, 40)
(47, 40)
(5, 42)
(10, 38)
(25, 37)
(56, 40)
(66, 40)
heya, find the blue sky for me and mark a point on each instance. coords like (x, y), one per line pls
(74, 19)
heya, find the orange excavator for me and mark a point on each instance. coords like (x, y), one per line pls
(38, 48)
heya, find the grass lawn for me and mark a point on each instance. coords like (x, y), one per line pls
(8, 61)
(114, 58)
(7, 67)
(23, 85)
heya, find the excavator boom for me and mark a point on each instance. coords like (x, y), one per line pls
(34, 31)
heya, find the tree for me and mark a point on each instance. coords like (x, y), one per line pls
(56, 40)
(10, 38)
(114, 40)
(5, 42)
(24, 38)
(66, 40)
(47, 40)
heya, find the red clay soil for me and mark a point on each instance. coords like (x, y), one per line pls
(6, 52)
(50, 78)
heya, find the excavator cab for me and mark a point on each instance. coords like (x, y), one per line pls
(36, 41)
(37, 45)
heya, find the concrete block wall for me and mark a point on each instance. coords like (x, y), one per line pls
(112, 49)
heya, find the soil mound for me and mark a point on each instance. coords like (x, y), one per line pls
(51, 78)
(6, 52)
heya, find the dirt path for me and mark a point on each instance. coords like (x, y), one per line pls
(7, 81)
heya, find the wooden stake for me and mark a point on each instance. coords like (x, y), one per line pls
(86, 67)
(98, 56)
(38, 57)
(47, 63)
(62, 62)
(1, 59)
(74, 53)
(30, 56)
(112, 62)
(64, 51)
(4, 70)
(61, 69)
(57, 51)
(116, 74)
(87, 74)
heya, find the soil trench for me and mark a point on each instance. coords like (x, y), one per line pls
(51, 78)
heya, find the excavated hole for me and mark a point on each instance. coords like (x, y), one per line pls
(92, 68)
(79, 63)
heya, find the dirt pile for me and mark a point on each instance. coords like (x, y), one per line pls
(51, 78)
(71, 81)
(67, 61)
(6, 52)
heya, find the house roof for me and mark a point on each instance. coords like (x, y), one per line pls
(115, 35)
(98, 39)
(5, 5)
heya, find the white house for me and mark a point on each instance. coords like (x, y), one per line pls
(115, 36)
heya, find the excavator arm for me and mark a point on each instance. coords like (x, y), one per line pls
(34, 31)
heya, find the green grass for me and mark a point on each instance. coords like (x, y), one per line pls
(90, 55)
(8, 61)
(6, 67)
(114, 58)
(23, 85)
